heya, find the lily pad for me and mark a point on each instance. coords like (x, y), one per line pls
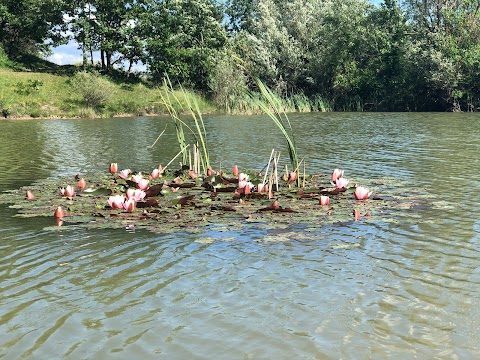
(176, 203)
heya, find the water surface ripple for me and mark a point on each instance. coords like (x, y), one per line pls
(405, 288)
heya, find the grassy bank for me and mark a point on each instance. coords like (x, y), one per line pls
(35, 88)
(54, 92)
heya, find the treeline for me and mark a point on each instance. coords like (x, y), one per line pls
(412, 55)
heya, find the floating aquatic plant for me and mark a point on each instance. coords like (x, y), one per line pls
(177, 202)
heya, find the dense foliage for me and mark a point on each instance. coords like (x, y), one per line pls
(412, 55)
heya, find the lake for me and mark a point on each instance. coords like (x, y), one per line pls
(401, 287)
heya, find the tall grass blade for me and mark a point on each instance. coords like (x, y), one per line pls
(197, 130)
(169, 98)
(272, 108)
(200, 133)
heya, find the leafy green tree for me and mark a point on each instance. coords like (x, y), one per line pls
(26, 25)
(79, 22)
(241, 15)
(386, 84)
(115, 23)
(227, 82)
(340, 51)
(447, 43)
(277, 47)
(109, 27)
(182, 39)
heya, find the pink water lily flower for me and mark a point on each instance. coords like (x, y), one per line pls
(136, 194)
(341, 183)
(29, 195)
(324, 200)
(260, 187)
(113, 168)
(243, 183)
(362, 193)
(125, 173)
(155, 174)
(116, 201)
(245, 187)
(82, 183)
(192, 174)
(142, 184)
(136, 178)
(356, 214)
(235, 170)
(130, 205)
(292, 177)
(59, 213)
(69, 191)
(242, 177)
(336, 174)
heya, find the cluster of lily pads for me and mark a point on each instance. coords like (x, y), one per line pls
(164, 200)
(139, 187)
(185, 198)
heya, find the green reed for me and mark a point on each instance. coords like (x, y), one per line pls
(272, 106)
(175, 107)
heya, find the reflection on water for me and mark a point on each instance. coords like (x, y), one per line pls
(401, 289)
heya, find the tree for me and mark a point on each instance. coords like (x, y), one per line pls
(447, 42)
(277, 47)
(341, 52)
(181, 40)
(386, 84)
(26, 25)
(241, 15)
(108, 27)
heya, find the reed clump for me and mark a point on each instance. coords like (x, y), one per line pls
(190, 130)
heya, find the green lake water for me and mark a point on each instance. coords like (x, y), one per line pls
(403, 286)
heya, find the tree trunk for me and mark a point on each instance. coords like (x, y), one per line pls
(84, 56)
(102, 56)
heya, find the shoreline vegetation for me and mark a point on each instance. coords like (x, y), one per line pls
(54, 92)
(87, 95)
(40, 89)
(357, 55)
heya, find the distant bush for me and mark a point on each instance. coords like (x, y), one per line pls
(37, 113)
(87, 113)
(228, 83)
(28, 87)
(4, 60)
(94, 90)
(5, 110)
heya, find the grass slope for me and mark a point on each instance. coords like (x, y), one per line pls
(40, 89)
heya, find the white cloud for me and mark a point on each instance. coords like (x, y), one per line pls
(67, 54)
(64, 58)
